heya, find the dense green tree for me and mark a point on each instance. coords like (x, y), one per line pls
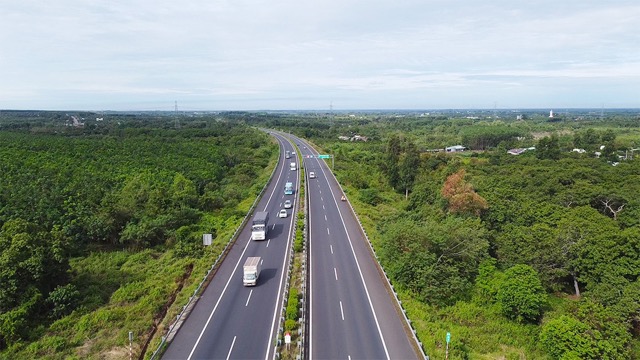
(548, 148)
(587, 139)
(32, 263)
(485, 137)
(537, 246)
(521, 296)
(568, 338)
(437, 260)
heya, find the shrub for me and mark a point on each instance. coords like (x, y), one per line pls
(566, 338)
(64, 300)
(521, 295)
(289, 325)
(292, 305)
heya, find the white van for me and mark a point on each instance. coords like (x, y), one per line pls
(292, 166)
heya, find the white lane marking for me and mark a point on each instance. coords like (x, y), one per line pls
(321, 199)
(335, 272)
(276, 308)
(320, 191)
(331, 246)
(268, 242)
(204, 328)
(341, 311)
(325, 217)
(273, 227)
(275, 187)
(328, 233)
(355, 258)
(231, 277)
(348, 357)
(249, 298)
(232, 343)
(323, 207)
(261, 261)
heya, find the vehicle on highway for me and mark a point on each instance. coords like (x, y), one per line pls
(312, 175)
(288, 204)
(259, 226)
(288, 188)
(251, 271)
(282, 213)
(287, 154)
(293, 166)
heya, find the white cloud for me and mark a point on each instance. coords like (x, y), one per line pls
(247, 54)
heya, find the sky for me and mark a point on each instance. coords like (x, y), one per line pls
(318, 55)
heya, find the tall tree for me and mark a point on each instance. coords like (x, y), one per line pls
(548, 148)
(391, 159)
(461, 197)
(409, 164)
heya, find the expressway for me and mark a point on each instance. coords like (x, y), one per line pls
(351, 313)
(231, 321)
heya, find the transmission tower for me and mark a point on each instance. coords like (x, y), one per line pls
(177, 120)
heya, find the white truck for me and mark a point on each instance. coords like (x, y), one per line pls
(251, 271)
(292, 166)
(259, 226)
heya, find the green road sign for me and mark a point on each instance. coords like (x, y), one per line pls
(324, 156)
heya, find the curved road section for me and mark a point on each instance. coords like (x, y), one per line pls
(351, 312)
(231, 321)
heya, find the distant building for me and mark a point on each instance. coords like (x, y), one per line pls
(517, 151)
(353, 138)
(455, 148)
(359, 138)
(75, 121)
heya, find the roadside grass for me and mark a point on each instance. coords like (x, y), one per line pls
(120, 291)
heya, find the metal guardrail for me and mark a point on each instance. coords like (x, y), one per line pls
(194, 298)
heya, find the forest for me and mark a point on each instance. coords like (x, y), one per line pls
(101, 225)
(528, 256)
